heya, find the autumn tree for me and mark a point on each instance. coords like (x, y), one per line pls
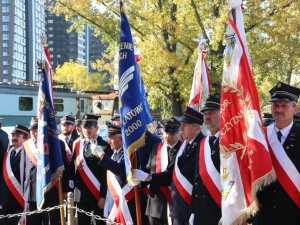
(163, 31)
(77, 77)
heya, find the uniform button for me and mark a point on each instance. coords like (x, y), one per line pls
(196, 184)
(203, 184)
(196, 195)
(274, 206)
(204, 196)
(274, 191)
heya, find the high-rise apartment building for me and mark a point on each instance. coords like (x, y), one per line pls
(22, 23)
(63, 46)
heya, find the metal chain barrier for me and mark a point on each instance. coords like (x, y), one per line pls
(58, 207)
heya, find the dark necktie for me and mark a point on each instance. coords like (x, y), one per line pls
(13, 153)
(186, 147)
(211, 141)
(67, 140)
(279, 135)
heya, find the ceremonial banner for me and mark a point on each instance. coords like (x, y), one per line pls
(245, 161)
(131, 104)
(49, 156)
(201, 82)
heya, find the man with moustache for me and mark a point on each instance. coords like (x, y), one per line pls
(90, 180)
(11, 198)
(68, 136)
(280, 201)
(160, 167)
(206, 195)
(28, 168)
(185, 165)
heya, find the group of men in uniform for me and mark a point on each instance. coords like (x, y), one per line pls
(177, 178)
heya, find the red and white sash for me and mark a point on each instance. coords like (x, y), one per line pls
(11, 181)
(161, 165)
(286, 172)
(183, 186)
(208, 172)
(31, 150)
(69, 153)
(86, 174)
(120, 212)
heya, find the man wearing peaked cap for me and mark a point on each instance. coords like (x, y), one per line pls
(267, 119)
(204, 208)
(10, 197)
(68, 136)
(78, 127)
(116, 178)
(33, 123)
(159, 172)
(116, 119)
(87, 172)
(191, 116)
(278, 204)
(184, 166)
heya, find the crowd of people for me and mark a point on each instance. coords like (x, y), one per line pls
(177, 169)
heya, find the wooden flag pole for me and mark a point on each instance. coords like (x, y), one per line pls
(137, 194)
(61, 202)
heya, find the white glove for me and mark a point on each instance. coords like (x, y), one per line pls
(139, 175)
(134, 182)
(97, 151)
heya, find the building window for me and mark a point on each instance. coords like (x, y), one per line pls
(5, 45)
(50, 28)
(50, 35)
(50, 21)
(5, 18)
(5, 71)
(5, 9)
(5, 1)
(25, 104)
(5, 63)
(5, 27)
(58, 105)
(5, 54)
(58, 56)
(5, 37)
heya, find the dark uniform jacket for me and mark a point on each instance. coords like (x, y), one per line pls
(206, 210)
(276, 207)
(186, 164)
(117, 166)
(4, 140)
(157, 202)
(82, 191)
(6, 196)
(28, 180)
(67, 175)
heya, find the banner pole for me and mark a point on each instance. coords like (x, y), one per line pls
(60, 197)
(137, 194)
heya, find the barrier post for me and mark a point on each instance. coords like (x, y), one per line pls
(70, 205)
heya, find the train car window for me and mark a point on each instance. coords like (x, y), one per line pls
(25, 104)
(81, 105)
(58, 105)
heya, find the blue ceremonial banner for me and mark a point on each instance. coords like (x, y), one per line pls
(131, 106)
(148, 117)
(49, 156)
